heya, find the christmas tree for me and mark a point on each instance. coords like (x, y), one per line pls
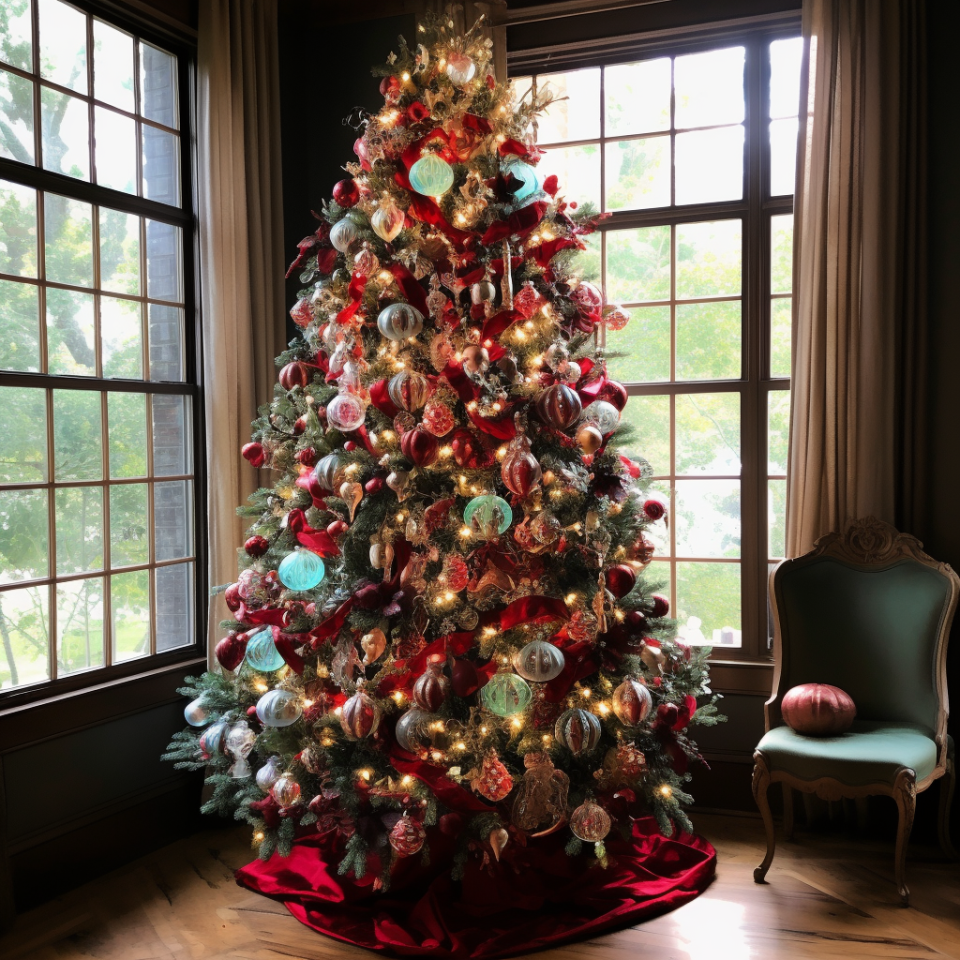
(444, 615)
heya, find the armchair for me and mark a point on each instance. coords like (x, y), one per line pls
(867, 611)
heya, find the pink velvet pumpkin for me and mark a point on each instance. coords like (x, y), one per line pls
(818, 710)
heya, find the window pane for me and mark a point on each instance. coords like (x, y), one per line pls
(79, 517)
(23, 440)
(637, 97)
(640, 352)
(115, 141)
(171, 436)
(708, 340)
(709, 88)
(63, 45)
(638, 264)
(708, 259)
(68, 240)
(650, 419)
(708, 433)
(16, 111)
(780, 325)
(129, 535)
(19, 326)
(778, 432)
(587, 261)
(119, 251)
(161, 165)
(781, 256)
(127, 434)
(130, 602)
(18, 229)
(121, 338)
(707, 516)
(24, 553)
(577, 169)
(785, 59)
(25, 614)
(113, 66)
(16, 47)
(708, 603)
(783, 157)
(70, 332)
(65, 134)
(578, 116)
(76, 435)
(166, 342)
(163, 261)
(174, 586)
(638, 174)
(158, 85)
(79, 625)
(173, 519)
(777, 517)
(659, 533)
(709, 165)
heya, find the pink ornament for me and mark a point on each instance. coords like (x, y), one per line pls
(455, 573)
(301, 313)
(438, 418)
(494, 782)
(407, 836)
(616, 319)
(587, 298)
(527, 300)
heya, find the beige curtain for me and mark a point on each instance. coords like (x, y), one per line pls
(241, 254)
(856, 443)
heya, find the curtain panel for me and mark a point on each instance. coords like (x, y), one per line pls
(241, 254)
(859, 316)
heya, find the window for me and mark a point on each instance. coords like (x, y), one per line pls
(691, 150)
(98, 386)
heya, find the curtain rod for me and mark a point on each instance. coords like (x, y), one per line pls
(564, 8)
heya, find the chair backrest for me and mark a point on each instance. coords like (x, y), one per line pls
(869, 612)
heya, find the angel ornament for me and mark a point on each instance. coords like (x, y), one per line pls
(540, 805)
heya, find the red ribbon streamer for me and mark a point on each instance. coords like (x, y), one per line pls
(447, 792)
(533, 610)
(287, 644)
(317, 540)
(411, 289)
(380, 398)
(517, 224)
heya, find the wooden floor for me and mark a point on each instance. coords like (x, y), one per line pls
(829, 895)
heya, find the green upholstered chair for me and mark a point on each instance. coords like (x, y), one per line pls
(867, 611)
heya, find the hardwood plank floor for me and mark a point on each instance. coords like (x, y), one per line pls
(829, 895)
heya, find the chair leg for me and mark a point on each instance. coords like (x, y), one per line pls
(947, 785)
(905, 795)
(761, 781)
(787, 811)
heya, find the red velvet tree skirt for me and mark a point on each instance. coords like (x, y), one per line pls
(541, 898)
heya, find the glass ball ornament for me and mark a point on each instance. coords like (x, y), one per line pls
(301, 570)
(590, 822)
(360, 715)
(408, 390)
(407, 836)
(431, 175)
(343, 235)
(528, 177)
(506, 694)
(488, 516)
(559, 406)
(400, 321)
(438, 418)
(237, 744)
(616, 319)
(346, 412)
(460, 68)
(520, 469)
(604, 415)
(279, 708)
(540, 661)
(413, 730)
(326, 472)
(211, 740)
(195, 713)
(286, 791)
(631, 702)
(262, 653)
(269, 773)
(366, 262)
(387, 222)
(578, 730)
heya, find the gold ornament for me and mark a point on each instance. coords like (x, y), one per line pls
(540, 805)
(373, 644)
(351, 493)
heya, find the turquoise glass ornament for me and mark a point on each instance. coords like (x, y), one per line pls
(431, 175)
(262, 653)
(488, 516)
(506, 694)
(301, 570)
(531, 180)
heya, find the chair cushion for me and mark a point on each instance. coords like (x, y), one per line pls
(870, 752)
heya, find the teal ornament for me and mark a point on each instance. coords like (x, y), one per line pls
(488, 516)
(262, 653)
(506, 694)
(530, 180)
(301, 570)
(431, 175)
(279, 708)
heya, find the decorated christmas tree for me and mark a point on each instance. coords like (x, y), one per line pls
(445, 620)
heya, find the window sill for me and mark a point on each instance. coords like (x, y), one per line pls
(752, 677)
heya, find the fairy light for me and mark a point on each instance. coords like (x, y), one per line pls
(460, 745)
(619, 615)
(405, 77)
(327, 742)
(258, 837)
(398, 697)
(260, 686)
(570, 599)
(483, 729)
(388, 435)
(406, 780)
(307, 704)
(437, 726)
(489, 632)
(338, 710)
(586, 693)
(401, 516)
(366, 774)
(547, 738)
(466, 533)
(446, 452)
(516, 723)
(666, 791)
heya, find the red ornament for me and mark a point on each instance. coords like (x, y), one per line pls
(307, 456)
(455, 573)
(527, 301)
(257, 546)
(390, 88)
(301, 313)
(300, 424)
(588, 299)
(620, 579)
(520, 469)
(420, 446)
(494, 782)
(616, 319)
(631, 702)
(374, 485)
(615, 393)
(661, 606)
(407, 836)
(254, 454)
(636, 621)
(337, 528)
(818, 710)
(232, 597)
(559, 406)
(467, 449)
(295, 374)
(451, 824)
(360, 715)
(438, 418)
(350, 446)
(431, 689)
(654, 509)
(346, 193)
(230, 650)
(464, 678)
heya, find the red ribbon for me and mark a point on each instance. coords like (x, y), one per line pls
(317, 540)
(331, 626)
(450, 794)
(578, 663)
(264, 616)
(533, 610)
(498, 324)
(287, 644)
(544, 252)
(411, 289)
(380, 398)
(517, 224)
(502, 428)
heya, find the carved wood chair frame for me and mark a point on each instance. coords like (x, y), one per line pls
(865, 544)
